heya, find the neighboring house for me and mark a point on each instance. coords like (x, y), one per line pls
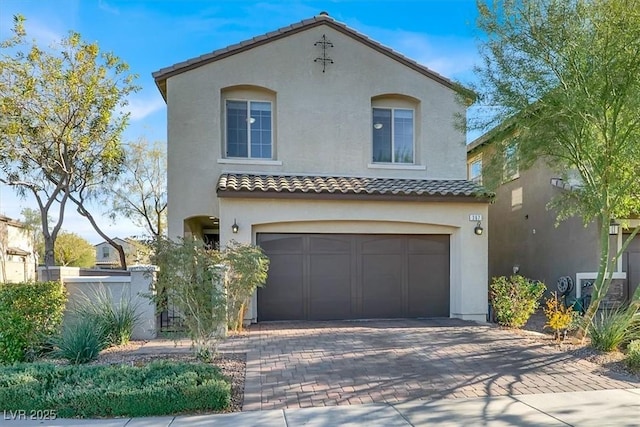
(107, 256)
(17, 256)
(524, 237)
(340, 158)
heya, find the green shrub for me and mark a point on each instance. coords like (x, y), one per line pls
(80, 341)
(514, 299)
(247, 268)
(116, 321)
(633, 355)
(30, 314)
(611, 328)
(190, 279)
(159, 388)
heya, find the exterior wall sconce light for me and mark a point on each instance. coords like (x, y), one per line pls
(478, 230)
(235, 227)
(614, 227)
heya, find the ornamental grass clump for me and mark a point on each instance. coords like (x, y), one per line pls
(514, 299)
(80, 341)
(612, 328)
(115, 319)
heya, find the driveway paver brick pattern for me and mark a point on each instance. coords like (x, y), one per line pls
(314, 364)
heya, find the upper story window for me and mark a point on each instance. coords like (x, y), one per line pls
(511, 168)
(393, 135)
(249, 129)
(248, 133)
(474, 169)
(105, 251)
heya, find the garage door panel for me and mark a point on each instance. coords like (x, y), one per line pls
(632, 263)
(342, 276)
(381, 244)
(330, 287)
(281, 243)
(381, 287)
(428, 244)
(428, 292)
(634, 272)
(338, 244)
(283, 297)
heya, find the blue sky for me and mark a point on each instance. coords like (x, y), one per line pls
(150, 35)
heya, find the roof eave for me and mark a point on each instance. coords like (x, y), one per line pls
(431, 198)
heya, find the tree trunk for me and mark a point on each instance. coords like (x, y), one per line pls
(49, 256)
(117, 247)
(605, 274)
(85, 213)
(603, 279)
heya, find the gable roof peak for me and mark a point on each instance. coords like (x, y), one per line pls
(322, 18)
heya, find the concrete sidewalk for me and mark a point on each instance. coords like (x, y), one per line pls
(585, 408)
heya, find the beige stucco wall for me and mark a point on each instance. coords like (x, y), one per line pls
(16, 268)
(468, 251)
(525, 235)
(322, 121)
(132, 289)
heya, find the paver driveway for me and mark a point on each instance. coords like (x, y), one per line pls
(303, 364)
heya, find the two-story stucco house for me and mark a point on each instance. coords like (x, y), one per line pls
(17, 256)
(107, 256)
(340, 158)
(525, 239)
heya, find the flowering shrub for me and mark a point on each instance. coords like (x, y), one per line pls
(560, 318)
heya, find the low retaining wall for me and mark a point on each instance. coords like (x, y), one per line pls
(133, 285)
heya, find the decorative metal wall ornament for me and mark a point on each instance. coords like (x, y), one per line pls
(324, 45)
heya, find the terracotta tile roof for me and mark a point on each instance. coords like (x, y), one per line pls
(163, 74)
(287, 184)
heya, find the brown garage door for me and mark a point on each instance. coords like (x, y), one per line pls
(631, 261)
(351, 276)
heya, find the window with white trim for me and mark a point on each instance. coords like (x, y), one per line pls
(393, 135)
(249, 129)
(474, 169)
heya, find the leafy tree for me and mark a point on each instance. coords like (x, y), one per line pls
(74, 251)
(33, 225)
(60, 123)
(140, 192)
(562, 79)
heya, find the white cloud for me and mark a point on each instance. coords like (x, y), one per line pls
(453, 57)
(103, 5)
(141, 107)
(42, 33)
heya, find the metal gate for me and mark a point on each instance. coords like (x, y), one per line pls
(169, 319)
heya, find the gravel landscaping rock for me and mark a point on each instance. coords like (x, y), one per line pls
(612, 361)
